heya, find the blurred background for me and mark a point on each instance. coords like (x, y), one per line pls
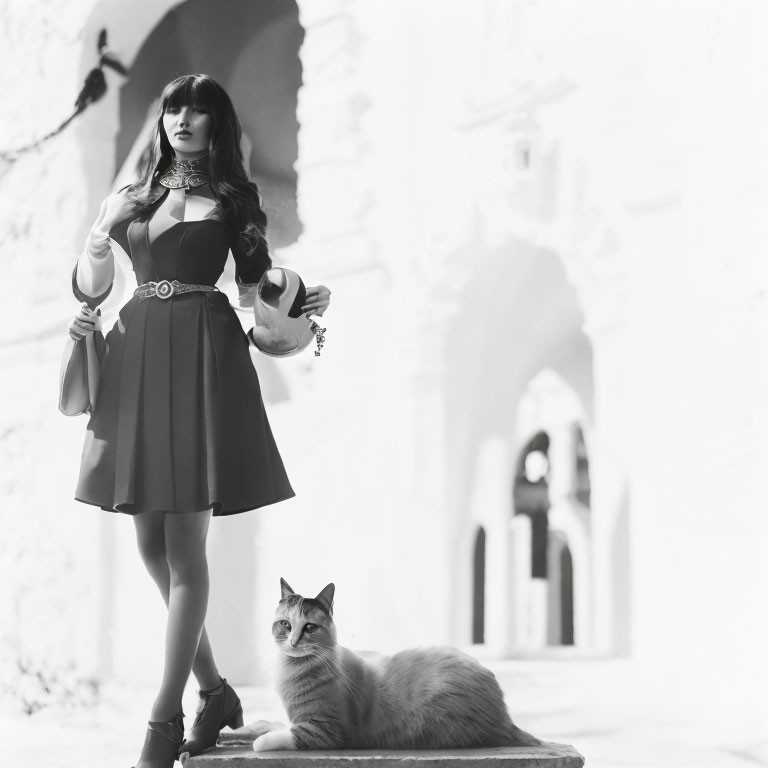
(538, 429)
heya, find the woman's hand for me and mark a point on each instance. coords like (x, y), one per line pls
(84, 322)
(318, 299)
(116, 208)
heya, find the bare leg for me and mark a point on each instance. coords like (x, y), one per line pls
(150, 537)
(185, 535)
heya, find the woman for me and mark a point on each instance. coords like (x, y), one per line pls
(179, 432)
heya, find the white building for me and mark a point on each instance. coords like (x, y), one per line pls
(544, 228)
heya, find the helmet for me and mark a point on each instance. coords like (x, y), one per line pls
(281, 329)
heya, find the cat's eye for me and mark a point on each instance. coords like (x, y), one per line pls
(285, 624)
(310, 627)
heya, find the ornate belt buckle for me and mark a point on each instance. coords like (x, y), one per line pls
(165, 289)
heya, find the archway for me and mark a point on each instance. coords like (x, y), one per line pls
(552, 487)
(531, 498)
(252, 49)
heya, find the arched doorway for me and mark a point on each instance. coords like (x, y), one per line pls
(252, 49)
(531, 498)
(552, 489)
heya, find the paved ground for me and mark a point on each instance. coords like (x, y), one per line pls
(609, 710)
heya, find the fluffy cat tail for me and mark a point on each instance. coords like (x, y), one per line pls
(521, 738)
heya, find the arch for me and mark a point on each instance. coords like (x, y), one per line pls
(551, 417)
(478, 587)
(259, 66)
(512, 312)
(166, 39)
(531, 498)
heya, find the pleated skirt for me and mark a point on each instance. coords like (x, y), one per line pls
(179, 424)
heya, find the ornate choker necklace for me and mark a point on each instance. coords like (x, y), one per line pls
(185, 173)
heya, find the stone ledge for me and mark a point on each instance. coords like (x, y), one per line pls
(545, 756)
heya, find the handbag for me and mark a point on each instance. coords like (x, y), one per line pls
(281, 329)
(79, 375)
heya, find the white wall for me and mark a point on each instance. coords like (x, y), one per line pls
(645, 125)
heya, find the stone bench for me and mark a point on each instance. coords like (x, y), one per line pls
(544, 756)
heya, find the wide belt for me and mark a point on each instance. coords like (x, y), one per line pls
(164, 289)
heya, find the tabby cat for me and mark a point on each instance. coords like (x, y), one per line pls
(427, 698)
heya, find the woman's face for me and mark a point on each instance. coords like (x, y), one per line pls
(188, 130)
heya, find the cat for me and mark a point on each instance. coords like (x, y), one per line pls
(426, 698)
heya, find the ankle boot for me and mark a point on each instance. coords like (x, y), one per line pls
(218, 707)
(162, 742)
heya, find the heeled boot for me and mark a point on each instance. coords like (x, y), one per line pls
(162, 742)
(218, 707)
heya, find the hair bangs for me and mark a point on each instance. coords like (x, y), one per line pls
(189, 91)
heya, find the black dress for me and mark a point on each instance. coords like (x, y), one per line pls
(179, 423)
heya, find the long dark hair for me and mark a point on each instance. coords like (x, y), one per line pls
(237, 196)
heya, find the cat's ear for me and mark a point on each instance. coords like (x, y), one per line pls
(285, 588)
(325, 597)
